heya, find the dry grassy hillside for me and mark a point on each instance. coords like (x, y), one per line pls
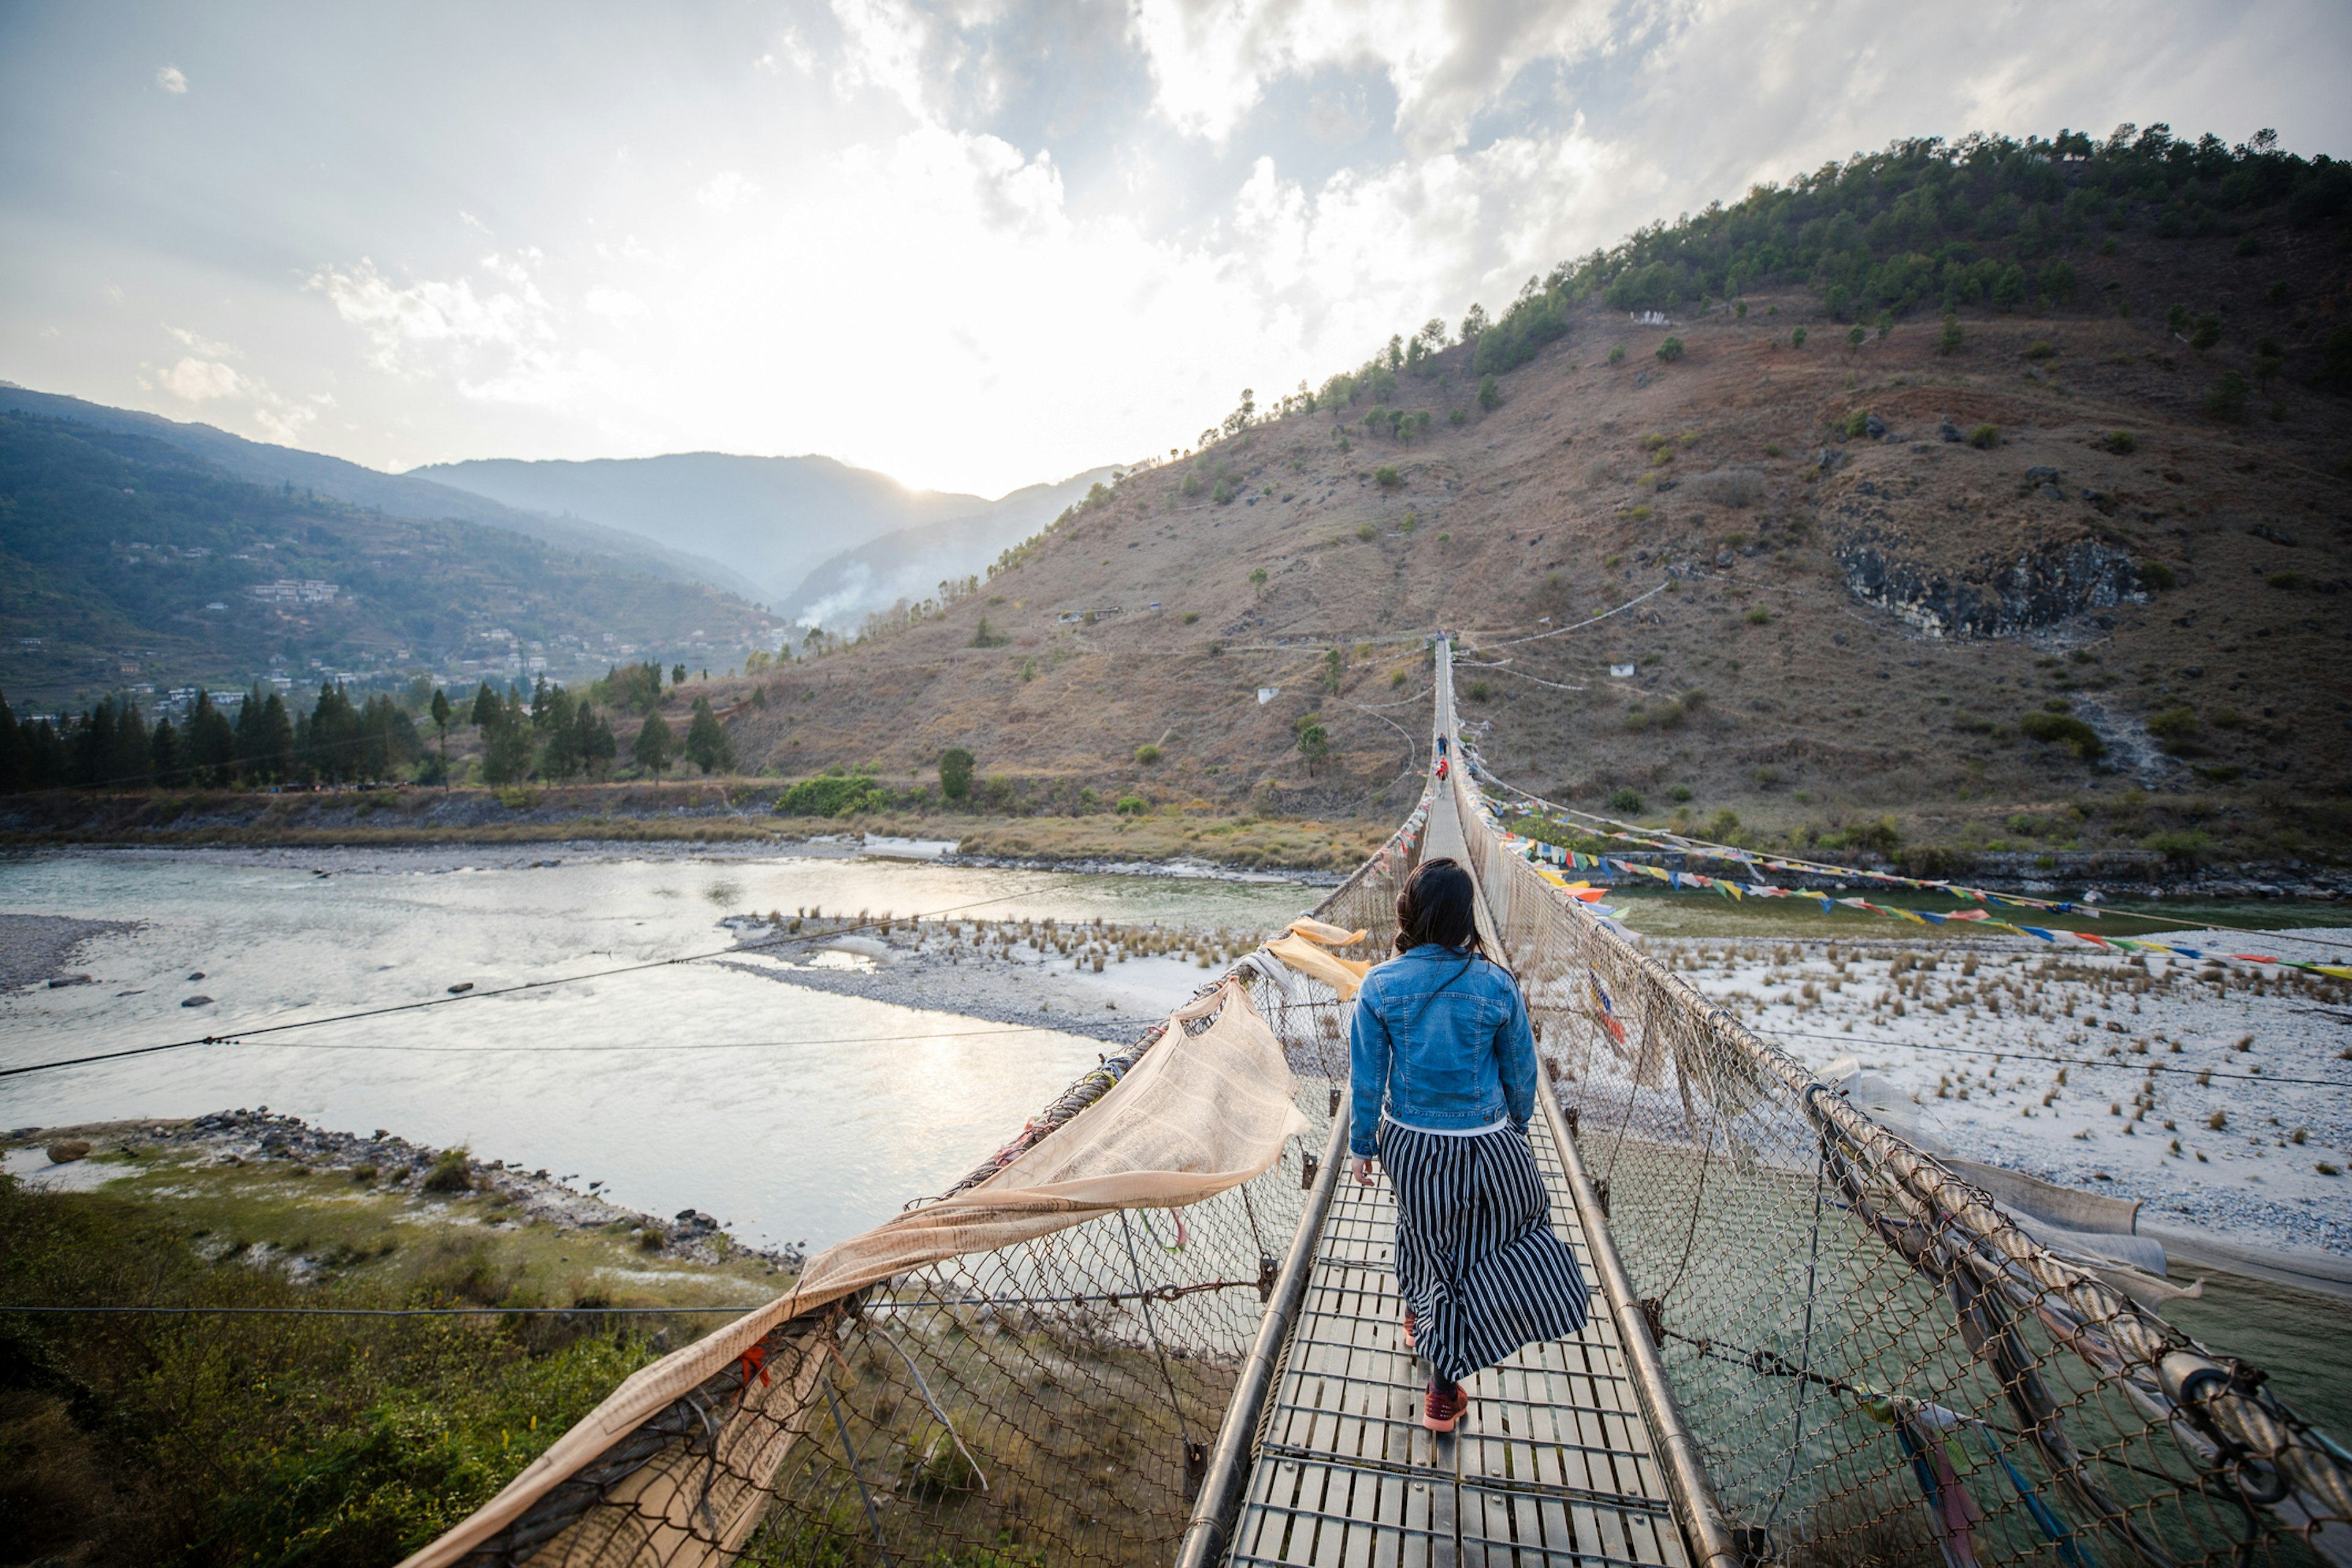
(1846, 628)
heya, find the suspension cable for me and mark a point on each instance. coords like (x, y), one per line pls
(239, 1037)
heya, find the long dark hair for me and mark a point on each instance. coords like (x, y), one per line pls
(1436, 906)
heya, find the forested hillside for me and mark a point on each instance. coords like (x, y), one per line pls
(125, 561)
(1996, 490)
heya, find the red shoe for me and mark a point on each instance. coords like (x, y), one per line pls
(1445, 1403)
(1408, 1328)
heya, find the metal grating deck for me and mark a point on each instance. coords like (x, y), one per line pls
(1553, 1464)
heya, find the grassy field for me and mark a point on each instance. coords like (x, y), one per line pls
(283, 1439)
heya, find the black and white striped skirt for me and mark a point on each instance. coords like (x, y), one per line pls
(1476, 1257)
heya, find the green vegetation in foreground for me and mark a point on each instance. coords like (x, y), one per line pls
(206, 1440)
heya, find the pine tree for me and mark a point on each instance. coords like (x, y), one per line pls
(128, 765)
(273, 751)
(598, 745)
(165, 755)
(442, 715)
(487, 708)
(211, 744)
(331, 749)
(14, 754)
(507, 742)
(707, 745)
(653, 749)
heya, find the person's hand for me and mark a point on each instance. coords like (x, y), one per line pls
(1363, 1171)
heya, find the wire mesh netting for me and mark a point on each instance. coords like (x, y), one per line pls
(1875, 1362)
(1052, 1399)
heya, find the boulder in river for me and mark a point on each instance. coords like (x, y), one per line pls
(66, 1153)
(198, 999)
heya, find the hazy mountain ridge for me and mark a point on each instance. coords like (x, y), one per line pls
(127, 561)
(394, 494)
(772, 519)
(910, 563)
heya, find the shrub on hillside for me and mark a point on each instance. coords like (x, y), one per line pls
(1387, 478)
(1625, 798)
(1671, 350)
(1985, 436)
(2122, 443)
(2052, 729)
(1950, 341)
(1146, 753)
(2228, 398)
(956, 766)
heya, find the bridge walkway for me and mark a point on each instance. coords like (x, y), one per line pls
(1553, 1464)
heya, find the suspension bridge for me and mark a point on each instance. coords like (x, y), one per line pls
(1160, 1325)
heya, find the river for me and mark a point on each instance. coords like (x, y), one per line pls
(792, 1115)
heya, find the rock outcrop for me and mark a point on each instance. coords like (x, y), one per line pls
(1992, 596)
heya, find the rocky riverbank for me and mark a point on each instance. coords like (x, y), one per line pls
(445, 1184)
(37, 949)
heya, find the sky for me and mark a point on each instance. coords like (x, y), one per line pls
(974, 246)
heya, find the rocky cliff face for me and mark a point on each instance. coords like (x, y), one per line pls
(2031, 550)
(1992, 596)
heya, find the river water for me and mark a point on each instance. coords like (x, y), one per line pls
(792, 1115)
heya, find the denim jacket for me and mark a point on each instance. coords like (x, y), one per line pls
(1439, 1039)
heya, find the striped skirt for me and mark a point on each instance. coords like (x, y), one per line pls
(1476, 1257)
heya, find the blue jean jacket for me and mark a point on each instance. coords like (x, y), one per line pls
(1440, 1040)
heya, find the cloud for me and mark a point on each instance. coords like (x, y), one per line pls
(170, 80)
(613, 304)
(882, 49)
(201, 380)
(405, 323)
(202, 344)
(724, 190)
(1023, 238)
(1213, 60)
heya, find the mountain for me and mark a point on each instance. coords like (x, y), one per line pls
(911, 563)
(771, 518)
(127, 561)
(2064, 573)
(393, 494)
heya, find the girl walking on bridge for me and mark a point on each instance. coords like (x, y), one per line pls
(1443, 1070)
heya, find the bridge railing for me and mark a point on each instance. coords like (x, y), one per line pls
(1877, 1364)
(1054, 1399)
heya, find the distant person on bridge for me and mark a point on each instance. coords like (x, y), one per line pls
(1443, 1070)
